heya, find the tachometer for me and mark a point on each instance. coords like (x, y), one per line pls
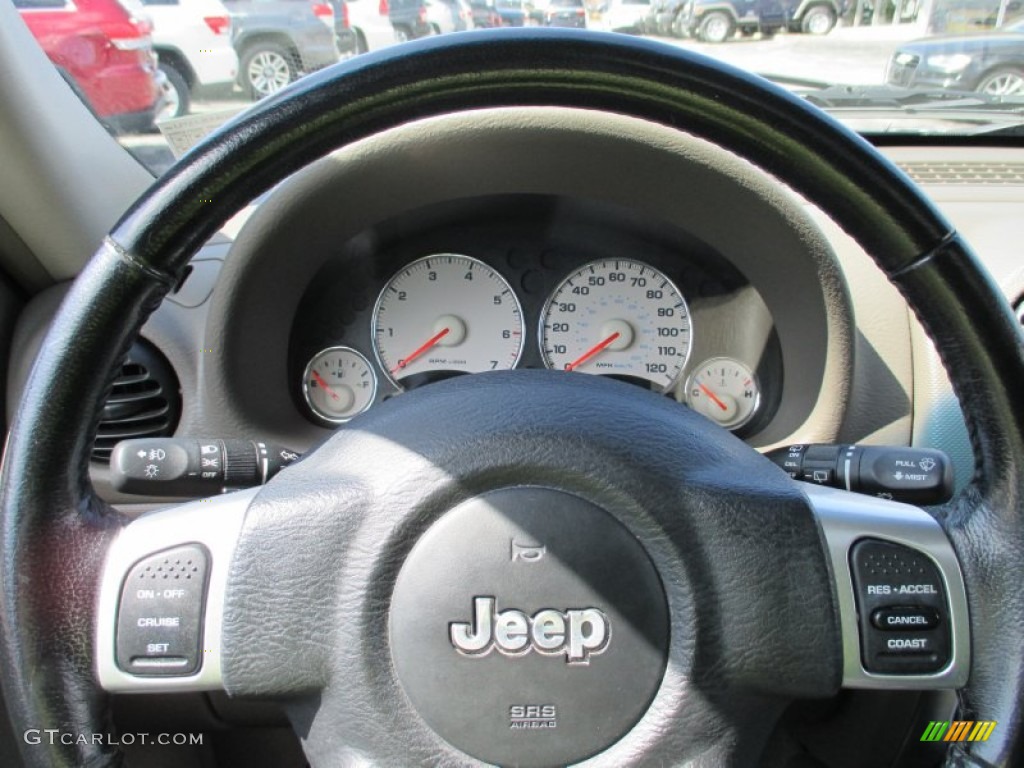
(618, 317)
(447, 313)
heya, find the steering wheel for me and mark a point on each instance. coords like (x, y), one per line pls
(489, 568)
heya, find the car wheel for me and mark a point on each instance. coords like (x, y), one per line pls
(267, 68)
(1003, 82)
(401, 35)
(177, 94)
(819, 20)
(716, 27)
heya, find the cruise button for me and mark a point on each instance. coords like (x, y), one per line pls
(905, 619)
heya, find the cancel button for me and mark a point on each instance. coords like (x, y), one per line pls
(907, 619)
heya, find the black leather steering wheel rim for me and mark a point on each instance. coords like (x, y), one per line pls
(55, 530)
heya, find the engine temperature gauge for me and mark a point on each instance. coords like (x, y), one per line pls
(725, 390)
(339, 384)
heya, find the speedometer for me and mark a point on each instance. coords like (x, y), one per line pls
(447, 313)
(617, 317)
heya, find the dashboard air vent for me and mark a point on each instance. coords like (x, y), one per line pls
(977, 173)
(143, 401)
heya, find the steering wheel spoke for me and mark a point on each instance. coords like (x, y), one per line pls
(161, 605)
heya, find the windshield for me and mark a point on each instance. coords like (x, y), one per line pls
(172, 70)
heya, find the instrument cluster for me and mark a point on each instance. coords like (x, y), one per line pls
(448, 313)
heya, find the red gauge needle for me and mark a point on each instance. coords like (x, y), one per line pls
(404, 362)
(713, 396)
(591, 352)
(326, 387)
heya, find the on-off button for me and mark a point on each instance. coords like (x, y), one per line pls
(905, 618)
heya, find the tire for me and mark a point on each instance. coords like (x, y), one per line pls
(1003, 82)
(177, 94)
(266, 69)
(819, 20)
(401, 35)
(716, 27)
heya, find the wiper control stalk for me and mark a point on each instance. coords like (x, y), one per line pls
(913, 475)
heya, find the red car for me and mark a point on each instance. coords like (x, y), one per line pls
(103, 48)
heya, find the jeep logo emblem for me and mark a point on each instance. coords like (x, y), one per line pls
(578, 634)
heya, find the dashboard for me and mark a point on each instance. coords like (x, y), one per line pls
(308, 279)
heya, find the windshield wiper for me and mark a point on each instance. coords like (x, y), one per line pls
(889, 109)
(894, 97)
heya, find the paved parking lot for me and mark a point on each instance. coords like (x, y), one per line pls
(848, 56)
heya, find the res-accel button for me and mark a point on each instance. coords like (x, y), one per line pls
(159, 620)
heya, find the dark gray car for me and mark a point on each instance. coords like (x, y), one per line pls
(278, 41)
(992, 63)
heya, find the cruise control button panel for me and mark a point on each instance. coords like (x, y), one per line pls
(902, 608)
(160, 615)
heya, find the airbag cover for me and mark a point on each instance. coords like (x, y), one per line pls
(528, 626)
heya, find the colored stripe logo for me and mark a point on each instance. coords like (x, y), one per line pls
(958, 730)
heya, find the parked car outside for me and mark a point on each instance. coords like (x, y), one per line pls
(278, 41)
(625, 15)
(565, 13)
(715, 21)
(192, 41)
(992, 63)
(409, 19)
(103, 49)
(362, 25)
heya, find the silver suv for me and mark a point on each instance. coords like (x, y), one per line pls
(278, 41)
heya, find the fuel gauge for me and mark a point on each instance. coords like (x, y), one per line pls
(338, 384)
(725, 390)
